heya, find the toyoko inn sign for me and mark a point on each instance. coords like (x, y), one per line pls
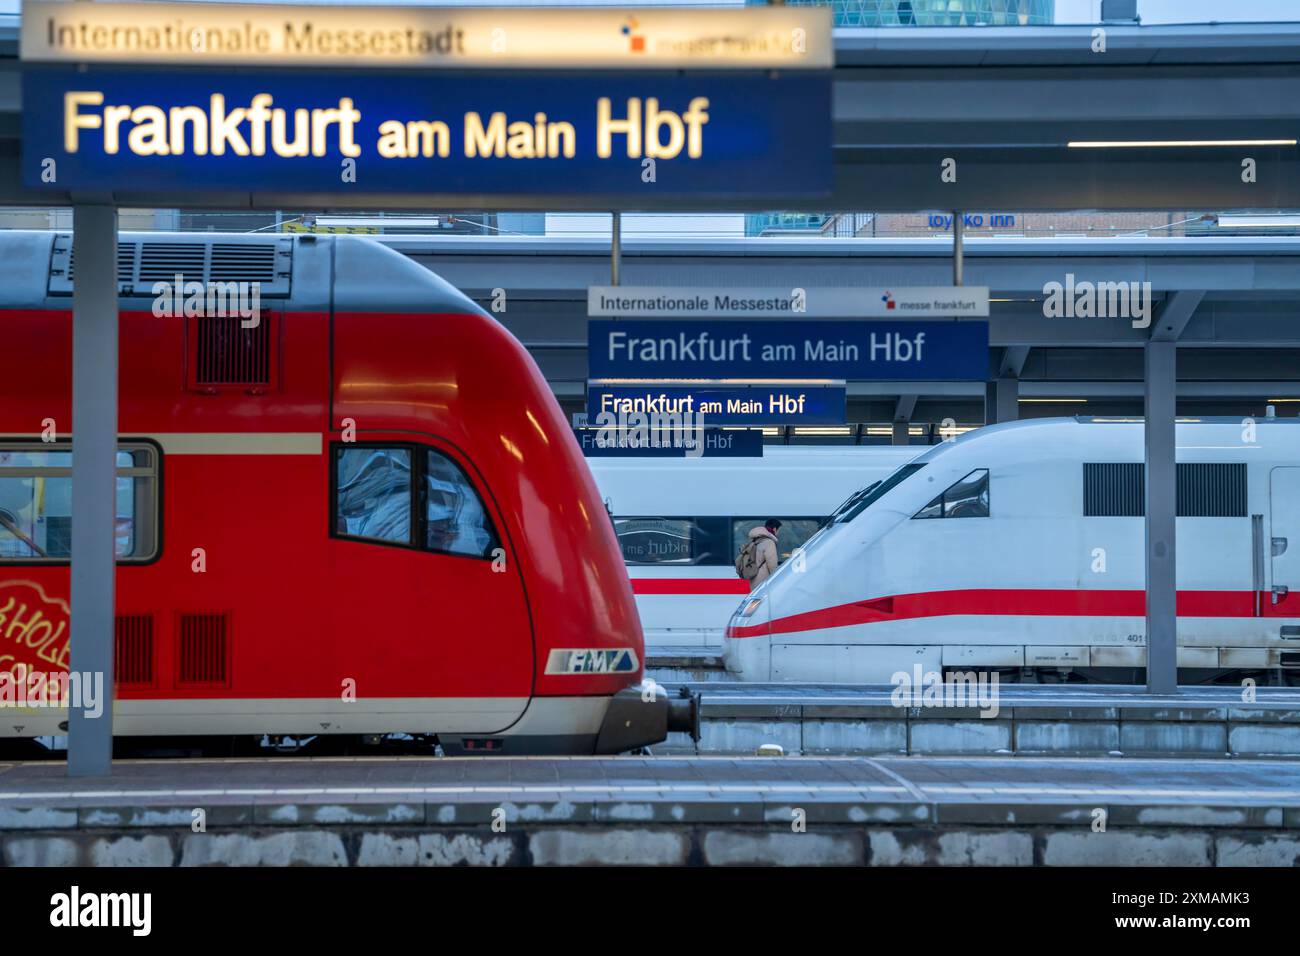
(620, 119)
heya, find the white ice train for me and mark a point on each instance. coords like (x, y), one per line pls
(682, 522)
(1019, 548)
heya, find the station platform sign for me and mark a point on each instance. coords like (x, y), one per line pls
(645, 106)
(754, 405)
(428, 37)
(641, 135)
(765, 351)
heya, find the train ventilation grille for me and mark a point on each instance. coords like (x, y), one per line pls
(204, 642)
(1204, 490)
(265, 260)
(133, 649)
(65, 263)
(226, 353)
(164, 261)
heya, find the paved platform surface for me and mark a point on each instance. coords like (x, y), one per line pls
(593, 788)
(1020, 719)
(1009, 695)
(670, 811)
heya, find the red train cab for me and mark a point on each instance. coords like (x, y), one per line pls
(347, 504)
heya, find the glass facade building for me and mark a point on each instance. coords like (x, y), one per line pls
(934, 13)
(901, 13)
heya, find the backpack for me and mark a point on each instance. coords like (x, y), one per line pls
(747, 560)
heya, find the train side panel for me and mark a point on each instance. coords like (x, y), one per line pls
(1035, 584)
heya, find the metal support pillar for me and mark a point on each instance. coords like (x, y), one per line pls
(1161, 502)
(957, 248)
(615, 246)
(903, 412)
(94, 480)
(1001, 400)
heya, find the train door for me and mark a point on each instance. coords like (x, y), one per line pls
(429, 606)
(1284, 544)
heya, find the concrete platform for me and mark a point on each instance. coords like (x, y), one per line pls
(758, 810)
(685, 663)
(1029, 720)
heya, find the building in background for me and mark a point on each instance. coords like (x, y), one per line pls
(933, 13)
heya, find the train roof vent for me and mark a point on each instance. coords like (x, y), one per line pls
(61, 265)
(265, 260)
(242, 262)
(163, 261)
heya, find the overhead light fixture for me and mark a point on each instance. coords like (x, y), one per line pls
(1185, 143)
(827, 430)
(380, 222)
(1258, 222)
(1053, 401)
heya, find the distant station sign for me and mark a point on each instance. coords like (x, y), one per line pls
(716, 134)
(819, 302)
(754, 405)
(692, 443)
(621, 351)
(221, 34)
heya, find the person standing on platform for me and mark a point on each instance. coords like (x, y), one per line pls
(759, 558)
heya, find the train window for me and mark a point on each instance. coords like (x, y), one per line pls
(686, 541)
(967, 498)
(36, 503)
(374, 493)
(793, 533)
(873, 493)
(455, 520)
(376, 499)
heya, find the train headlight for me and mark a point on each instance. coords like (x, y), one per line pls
(750, 607)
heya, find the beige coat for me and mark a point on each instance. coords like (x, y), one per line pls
(765, 555)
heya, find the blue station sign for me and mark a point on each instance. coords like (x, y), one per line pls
(649, 135)
(755, 405)
(882, 350)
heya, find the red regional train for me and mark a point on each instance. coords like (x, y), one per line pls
(359, 513)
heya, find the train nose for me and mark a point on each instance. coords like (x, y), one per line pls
(753, 612)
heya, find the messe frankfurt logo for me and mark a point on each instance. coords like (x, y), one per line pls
(888, 299)
(636, 42)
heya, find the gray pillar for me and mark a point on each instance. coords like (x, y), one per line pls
(94, 477)
(900, 435)
(615, 247)
(958, 248)
(1001, 400)
(1161, 504)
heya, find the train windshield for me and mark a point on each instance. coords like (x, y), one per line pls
(872, 493)
(849, 503)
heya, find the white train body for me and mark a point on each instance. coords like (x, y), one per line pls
(1046, 580)
(681, 522)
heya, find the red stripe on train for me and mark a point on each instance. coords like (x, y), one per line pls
(1017, 601)
(689, 586)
